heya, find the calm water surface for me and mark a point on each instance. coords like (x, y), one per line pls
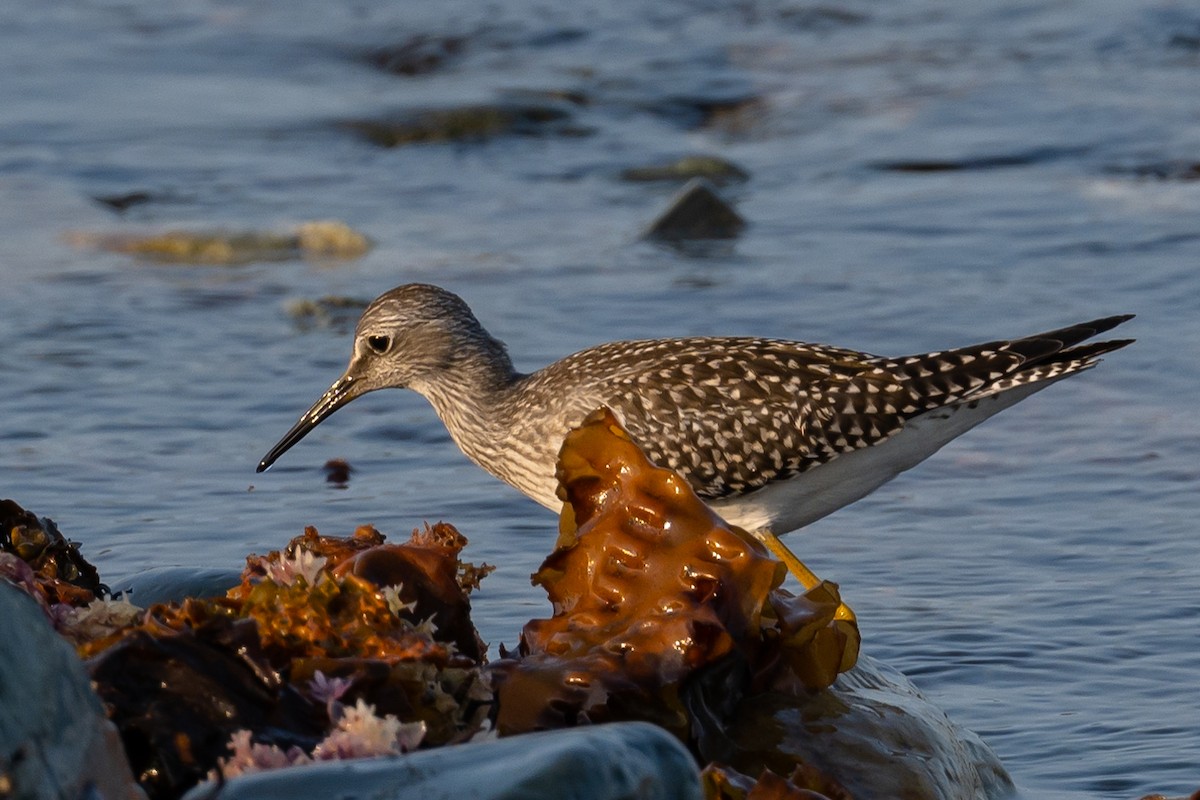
(922, 175)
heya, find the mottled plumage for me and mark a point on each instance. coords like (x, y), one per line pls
(774, 434)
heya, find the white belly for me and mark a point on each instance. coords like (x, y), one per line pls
(791, 504)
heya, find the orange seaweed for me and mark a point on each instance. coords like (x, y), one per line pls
(661, 610)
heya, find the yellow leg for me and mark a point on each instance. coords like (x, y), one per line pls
(808, 579)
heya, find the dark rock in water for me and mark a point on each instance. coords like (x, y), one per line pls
(178, 699)
(65, 576)
(1166, 171)
(573, 97)
(604, 762)
(337, 472)
(555, 37)
(1037, 155)
(465, 123)
(418, 55)
(55, 742)
(426, 53)
(697, 212)
(822, 19)
(713, 168)
(876, 732)
(734, 113)
(332, 312)
(123, 202)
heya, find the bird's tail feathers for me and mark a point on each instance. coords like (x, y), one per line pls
(981, 370)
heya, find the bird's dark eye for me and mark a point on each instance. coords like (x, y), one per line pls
(379, 344)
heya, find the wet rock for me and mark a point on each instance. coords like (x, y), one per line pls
(332, 312)
(177, 699)
(731, 114)
(1186, 41)
(321, 239)
(696, 212)
(874, 732)
(175, 584)
(822, 19)
(465, 123)
(609, 762)
(60, 574)
(337, 472)
(1037, 155)
(1174, 29)
(1165, 171)
(573, 97)
(417, 55)
(711, 168)
(553, 37)
(123, 202)
(330, 239)
(55, 742)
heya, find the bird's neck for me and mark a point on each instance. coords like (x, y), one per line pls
(468, 391)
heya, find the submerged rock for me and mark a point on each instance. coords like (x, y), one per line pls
(123, 202)
(328, 239)
(337, 472)
(712, 168)
(822, 18)
(1164, 171)
(697, 212)
(1034, 156)
(570, 96)
(733, 113)
(465, 123)
(333, 312)
(417, 55)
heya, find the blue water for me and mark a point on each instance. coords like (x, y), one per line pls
(1039, 578)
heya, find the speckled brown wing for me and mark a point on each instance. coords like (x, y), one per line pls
(732, 415)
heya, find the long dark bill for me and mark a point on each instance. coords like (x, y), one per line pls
(338, 395)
